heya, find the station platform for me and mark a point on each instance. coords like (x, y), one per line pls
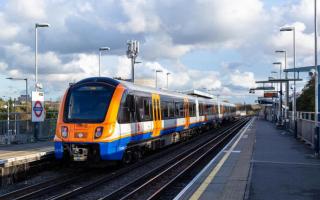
(17, 158)
(261, 162)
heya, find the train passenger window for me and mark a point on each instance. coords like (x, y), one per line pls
(126, 113)
(200, 109)
(205, 109)
(222, 109)
(139, 108)
(170, 110)
(164, 109)
(147, 109)
(192, 109)
(179, 111)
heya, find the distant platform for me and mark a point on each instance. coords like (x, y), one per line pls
(19, 157)
(261, 162)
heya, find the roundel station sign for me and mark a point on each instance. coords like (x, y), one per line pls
(37, 108)
(38, 113)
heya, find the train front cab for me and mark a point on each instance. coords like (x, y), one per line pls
(87, 120)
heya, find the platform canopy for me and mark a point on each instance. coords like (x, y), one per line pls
(199, 93)
(279, 80)
(300, 69)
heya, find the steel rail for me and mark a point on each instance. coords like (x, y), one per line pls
(150, 177)
(109, 177)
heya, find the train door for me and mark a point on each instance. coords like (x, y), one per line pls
(186, 113)
(156, 113)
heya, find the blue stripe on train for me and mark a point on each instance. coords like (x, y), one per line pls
(114, 150)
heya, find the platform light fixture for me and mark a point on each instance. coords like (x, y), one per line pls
(102, 49)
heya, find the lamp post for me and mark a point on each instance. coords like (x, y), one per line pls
(294, 109)
(101, 49)
(157, 71)
(8, 119)
(168, 73)
(280, 103)
(37, 25)
(317, 108)
(287, 83)
(273, 74)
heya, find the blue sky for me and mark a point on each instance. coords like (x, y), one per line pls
(221, 45)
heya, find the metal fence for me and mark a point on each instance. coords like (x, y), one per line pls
(23, 131)
(305, 126)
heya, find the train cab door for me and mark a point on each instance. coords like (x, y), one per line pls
(156, 113)
(186, 113)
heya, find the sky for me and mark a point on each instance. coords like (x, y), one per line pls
(224, 46)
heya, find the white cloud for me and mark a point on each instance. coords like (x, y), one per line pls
(167, 30)
(140, 16)
(9, 31)
(26, 10)
(242, 79)
(3, 66)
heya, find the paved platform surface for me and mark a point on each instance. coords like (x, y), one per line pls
(282, 167)
(262, 162)
(225, 177)
(11, 154)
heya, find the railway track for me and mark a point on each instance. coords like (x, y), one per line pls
(38, 191)
(152, 184)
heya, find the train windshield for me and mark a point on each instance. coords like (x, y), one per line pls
(88, 103)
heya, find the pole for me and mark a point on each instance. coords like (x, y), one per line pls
(8, 123)
(167, 81)
(15, 116)
(99, 62)
(156, 79)
(280, 96)
(27, 101)
(132, 69)
(35, 58)
(294, 85)
(287, 85)
(317, 86)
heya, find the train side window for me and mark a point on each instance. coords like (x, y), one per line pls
(170, 110)
(179, 112)
(147, 109)
(192, 109)
(164, 109)
(126, 113)
(200, 109)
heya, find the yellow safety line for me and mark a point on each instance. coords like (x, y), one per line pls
(197, 194)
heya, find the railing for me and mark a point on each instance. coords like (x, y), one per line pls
(305, 126)
(23, 131)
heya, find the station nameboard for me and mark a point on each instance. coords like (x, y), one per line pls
(270, 95)
(38, 112)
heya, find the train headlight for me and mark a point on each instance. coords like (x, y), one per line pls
(98, 132)
(64, 131)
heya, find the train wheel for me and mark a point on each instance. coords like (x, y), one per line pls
(137, 155)
(127, 158)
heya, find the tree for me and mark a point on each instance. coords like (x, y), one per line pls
(305, 102)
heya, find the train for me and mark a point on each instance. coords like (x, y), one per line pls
(105, 119)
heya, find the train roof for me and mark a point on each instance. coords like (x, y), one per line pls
(135, 87)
